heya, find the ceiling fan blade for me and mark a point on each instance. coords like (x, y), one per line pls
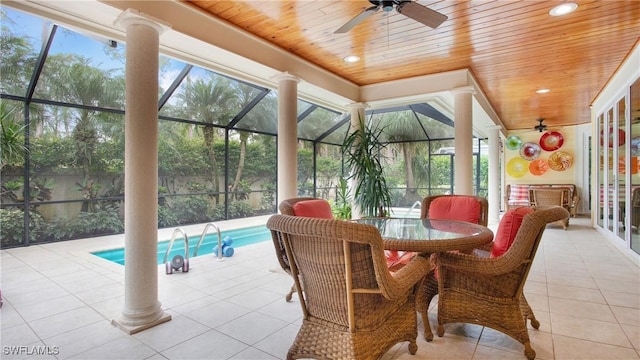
(421, 14)
(357, 20)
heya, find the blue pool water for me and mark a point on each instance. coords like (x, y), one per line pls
(240, 237)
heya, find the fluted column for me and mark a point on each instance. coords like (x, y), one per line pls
(142, 309)
(463, 130)
(357, 113)
(494, 174)
(287, 136)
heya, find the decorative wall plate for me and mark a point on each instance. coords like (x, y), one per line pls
(551, 141)
(560, 161)
(622, 165)
(538, 167)
(621, 137)
(530, 151)
(517, 167)
(513, 142)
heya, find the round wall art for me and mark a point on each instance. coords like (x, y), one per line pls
(560, 161)
(551, 141)
(513, 142)
(530, 151)
(517, 167)
(538, 167)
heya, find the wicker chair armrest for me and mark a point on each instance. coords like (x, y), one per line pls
(472, 263)
(405, 278)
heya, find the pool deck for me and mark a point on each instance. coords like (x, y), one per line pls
(59, 297)
(81, 250)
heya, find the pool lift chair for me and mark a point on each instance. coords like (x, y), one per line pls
(178, 262)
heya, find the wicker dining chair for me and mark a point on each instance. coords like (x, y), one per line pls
(468, 208)
(353, 306)
(300, 206)
(550, 197)
(488, 291)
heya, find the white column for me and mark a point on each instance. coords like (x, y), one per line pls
(287, 136)
(463, 130)
(357, 113)
(142, 309)
(494, 174)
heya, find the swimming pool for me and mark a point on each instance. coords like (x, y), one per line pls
(240, 237)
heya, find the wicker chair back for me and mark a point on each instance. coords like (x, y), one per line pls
(353, 307)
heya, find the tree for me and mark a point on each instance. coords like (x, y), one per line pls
(246, 95)
(12, 145)
(18, 59)
(211, 101)
(404, 128)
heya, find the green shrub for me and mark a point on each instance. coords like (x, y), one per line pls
(12, 229)
(192, 209)
(86, 224)
(166, 217)
(240, 209)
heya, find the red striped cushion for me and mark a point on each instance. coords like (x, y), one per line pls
(518, 194)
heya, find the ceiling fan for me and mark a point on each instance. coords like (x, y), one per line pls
(540, 127)
(411, 9)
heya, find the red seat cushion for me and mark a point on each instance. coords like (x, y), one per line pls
(459, 208)
(507, 230)
(396, 260)
(316, 208)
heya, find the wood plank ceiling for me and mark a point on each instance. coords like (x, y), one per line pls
(512, 47)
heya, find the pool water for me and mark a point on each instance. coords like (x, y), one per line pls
(239, 237)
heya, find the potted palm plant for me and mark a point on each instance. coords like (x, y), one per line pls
(362, 153)
(342, 206)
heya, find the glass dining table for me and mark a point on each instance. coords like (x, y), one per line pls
(429, 235)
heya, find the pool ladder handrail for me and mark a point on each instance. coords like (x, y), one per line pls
(417, 204)
(173, 238)
(204, 232)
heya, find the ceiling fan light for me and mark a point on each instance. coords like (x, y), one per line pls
(563, 9)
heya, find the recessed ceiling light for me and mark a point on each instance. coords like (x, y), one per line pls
(563, 9)
(351, 58)
(542, 91)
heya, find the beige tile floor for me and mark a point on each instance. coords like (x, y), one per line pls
(61, 299)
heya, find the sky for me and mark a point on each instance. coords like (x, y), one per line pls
(70, 41)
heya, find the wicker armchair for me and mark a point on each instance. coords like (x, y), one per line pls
(353, 306)
(550, 197)
(489, 291)
(286, 207)
(635, 208)
(429, 287)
